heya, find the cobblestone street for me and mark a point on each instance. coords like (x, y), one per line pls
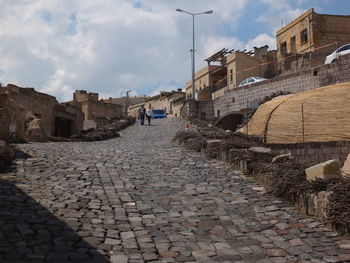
(140, 198)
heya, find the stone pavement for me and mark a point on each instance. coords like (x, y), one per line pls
(139, 198)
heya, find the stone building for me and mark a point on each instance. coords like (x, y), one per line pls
(95, 113)
(126, 101)
(19, 105)
(312, 35)
(234, 66)
(203, 82)
(169, 101)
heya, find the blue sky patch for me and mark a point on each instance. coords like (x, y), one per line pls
(46, 16)
(72, 27)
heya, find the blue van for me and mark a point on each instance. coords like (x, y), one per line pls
(156, 114)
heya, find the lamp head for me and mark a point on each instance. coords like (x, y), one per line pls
(179, 10)
(208, 12)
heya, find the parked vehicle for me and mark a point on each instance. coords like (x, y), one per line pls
(250, 80)
(156, 114)
(343, 50)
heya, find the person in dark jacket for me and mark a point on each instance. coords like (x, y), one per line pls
(142, 113)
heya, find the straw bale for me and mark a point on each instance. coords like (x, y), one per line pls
(312, 116)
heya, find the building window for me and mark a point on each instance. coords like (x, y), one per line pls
(231, 75)
(304, 37)
(293, 47)
(283, 48)
(218, 113)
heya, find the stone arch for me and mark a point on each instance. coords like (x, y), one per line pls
(230, 121)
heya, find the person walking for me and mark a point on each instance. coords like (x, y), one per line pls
(142, 113)
(148, 116)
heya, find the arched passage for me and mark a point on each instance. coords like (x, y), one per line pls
(230, 121)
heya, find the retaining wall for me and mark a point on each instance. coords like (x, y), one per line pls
(250, 96)
(316, 152)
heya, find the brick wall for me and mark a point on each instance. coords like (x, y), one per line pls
(237, 99)
(316, 152)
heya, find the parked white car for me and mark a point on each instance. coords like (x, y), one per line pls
(250, 80)
(343, 50)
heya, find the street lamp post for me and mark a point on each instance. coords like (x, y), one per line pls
(193, 50)
(127, 102)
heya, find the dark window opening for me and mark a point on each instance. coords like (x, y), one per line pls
(63, 127)
(218, 113)
(283, 48)
(293, 47)
(303, 37)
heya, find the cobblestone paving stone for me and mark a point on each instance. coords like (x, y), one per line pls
(139, 198)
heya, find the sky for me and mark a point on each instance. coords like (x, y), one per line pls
(112, 46)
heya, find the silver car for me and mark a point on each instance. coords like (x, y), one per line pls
(250, 80)
(343, 50)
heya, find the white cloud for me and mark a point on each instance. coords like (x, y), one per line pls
(109, 46)
(214, 44)
(261, 40)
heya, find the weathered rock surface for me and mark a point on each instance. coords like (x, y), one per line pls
(35, 131)
(7, 154)
(260, 150)
(346, 167)
(282, 158)
(327, 170)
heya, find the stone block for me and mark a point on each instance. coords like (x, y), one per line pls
(282, 158)
(260, 149)
(327, 170)
(346, 167)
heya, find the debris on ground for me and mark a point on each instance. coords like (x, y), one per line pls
(339, 208)
(280, 173)
(190, 140)
(104, 133)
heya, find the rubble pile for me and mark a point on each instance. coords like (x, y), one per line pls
(7, 154)
(103, 133)
(281, 174)
(190, 140)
